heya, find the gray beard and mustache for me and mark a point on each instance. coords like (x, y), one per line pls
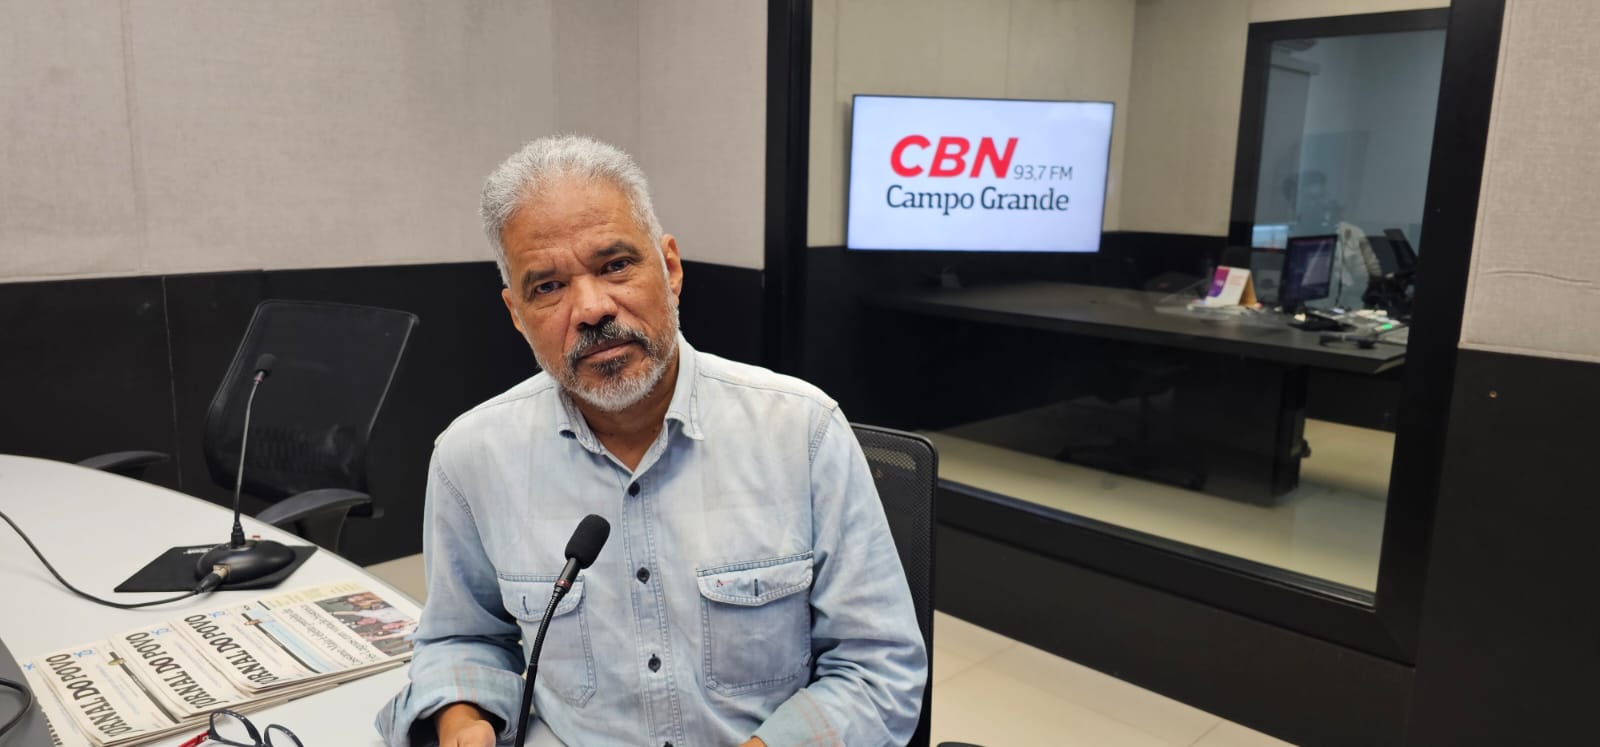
(616, 391)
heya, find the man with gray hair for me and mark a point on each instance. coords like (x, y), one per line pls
(750, 594)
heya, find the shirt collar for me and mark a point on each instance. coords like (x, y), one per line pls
(684, 409)
(685, 405)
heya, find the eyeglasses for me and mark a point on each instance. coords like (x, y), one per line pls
(228, 727)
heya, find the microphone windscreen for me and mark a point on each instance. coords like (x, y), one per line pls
(587, 540)
(264, 364)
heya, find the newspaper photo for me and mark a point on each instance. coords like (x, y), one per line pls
(352, 625)
(300, 636)
(163, 679)
(247, 656)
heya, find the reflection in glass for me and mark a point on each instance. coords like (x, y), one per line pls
(1345, 147)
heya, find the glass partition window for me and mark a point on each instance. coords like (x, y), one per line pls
(1281, 463)
(1345, 145)
(1095, 389)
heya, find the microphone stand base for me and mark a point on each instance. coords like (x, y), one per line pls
(253, 560)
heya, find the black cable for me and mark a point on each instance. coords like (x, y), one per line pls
(210, 582)
(27, 705)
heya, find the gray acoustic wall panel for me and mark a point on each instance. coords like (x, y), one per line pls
(1535, 285)
(597, 69)
(315, 134)
(67, 200)
(178, 136)
(703, 124)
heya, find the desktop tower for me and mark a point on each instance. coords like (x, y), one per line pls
(1255, 465)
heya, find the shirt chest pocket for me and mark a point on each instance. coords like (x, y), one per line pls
(757, 620)
(566, 663)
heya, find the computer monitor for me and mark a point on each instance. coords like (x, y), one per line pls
(1266, 269)
(1269, 235)
(1308, 269)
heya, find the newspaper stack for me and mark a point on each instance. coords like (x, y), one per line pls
(165, 679)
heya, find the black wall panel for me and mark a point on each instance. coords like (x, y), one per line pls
(1509, 645)
(720, 310)
(1292, 686)
(84, 370)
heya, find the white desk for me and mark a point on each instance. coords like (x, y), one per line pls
(98, 528)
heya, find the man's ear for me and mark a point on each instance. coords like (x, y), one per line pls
(669, 253)
(511, 308)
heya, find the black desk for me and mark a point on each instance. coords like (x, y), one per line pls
(1240, 408)
(1137, 316)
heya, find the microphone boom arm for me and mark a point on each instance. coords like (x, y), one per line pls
(558, 591)
(237, 539)
(581, 552)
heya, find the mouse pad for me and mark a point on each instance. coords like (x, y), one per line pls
(173, 571)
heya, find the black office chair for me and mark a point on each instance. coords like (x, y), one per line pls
(312, 419)
(905, 468)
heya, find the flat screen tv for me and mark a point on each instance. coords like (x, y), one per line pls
(985, 175)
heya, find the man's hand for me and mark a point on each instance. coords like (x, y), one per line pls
(463, 725)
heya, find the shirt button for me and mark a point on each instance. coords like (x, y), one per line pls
(655, 663)
(643, 575)
(633, 489)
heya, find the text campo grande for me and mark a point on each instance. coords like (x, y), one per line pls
(989, 198)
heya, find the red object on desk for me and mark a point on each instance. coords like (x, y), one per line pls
(197, 741)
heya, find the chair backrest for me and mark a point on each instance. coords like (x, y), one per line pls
(905, 467)
(312, 417)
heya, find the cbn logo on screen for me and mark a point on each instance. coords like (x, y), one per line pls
(935, 174)
(950, 156)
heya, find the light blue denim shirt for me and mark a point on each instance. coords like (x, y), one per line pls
(750, 585)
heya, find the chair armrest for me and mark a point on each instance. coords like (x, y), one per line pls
(286, 512)
(125, 463)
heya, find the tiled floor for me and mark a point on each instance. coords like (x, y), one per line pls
(990, 690)
(993, 691)
(1330, 527)
(404, 574)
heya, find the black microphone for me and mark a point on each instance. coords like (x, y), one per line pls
(582, 549)
(242, 560)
